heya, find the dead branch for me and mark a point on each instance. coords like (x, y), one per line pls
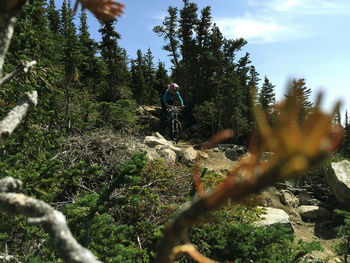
(14, 117)
(5, 257)
(23, 67)
(9, 184)
(53, 221)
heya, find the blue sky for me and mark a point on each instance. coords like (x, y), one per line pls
(286, 38)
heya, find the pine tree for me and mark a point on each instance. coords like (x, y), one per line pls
(267, 95)
(149, 74)
(169, 32)
(253, 83)
(267, 100)
(206, 64)
(89, 66)
(185, 73)
(346, 144)
(32, 40)
(116, 60)
(302, 94)
(161, 79)
(71, 59)
(54, 17)
(138, 83)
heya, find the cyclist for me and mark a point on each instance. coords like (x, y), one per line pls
(169, 98)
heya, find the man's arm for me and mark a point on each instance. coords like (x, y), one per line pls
(164, 98)
(180, 99)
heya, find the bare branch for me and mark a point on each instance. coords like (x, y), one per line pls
(9, 184)
(13, 118)
(23, 67)
(53, 221)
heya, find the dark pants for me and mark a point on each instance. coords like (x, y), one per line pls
(163, 116)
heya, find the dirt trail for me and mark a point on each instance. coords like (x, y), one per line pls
(213, 160)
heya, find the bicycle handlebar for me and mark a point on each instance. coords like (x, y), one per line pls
(175, 107)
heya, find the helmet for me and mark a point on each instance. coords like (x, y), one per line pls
(174, 87)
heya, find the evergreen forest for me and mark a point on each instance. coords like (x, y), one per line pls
(67, 151)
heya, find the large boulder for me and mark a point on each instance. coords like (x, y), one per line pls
(313, 212)
(163, 147)
(275, 216)
(167, 154)
(158, 139)
(338, 180)
(189, 155)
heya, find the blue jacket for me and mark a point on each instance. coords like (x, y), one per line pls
(169, 99)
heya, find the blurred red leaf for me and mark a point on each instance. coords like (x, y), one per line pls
(102, 9)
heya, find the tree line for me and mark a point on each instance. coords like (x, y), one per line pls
(214, 80)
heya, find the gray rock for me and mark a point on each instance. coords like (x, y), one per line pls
(288, 198)
(234, 152)
(189, 155)
(275, 216)
(158, 139)
(304, 198)
(313, 211)
(339, 182)
(169, 155)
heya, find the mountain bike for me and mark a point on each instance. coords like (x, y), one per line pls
(174, 123)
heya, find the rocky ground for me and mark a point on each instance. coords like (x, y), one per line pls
(306, 204)
(307, 230)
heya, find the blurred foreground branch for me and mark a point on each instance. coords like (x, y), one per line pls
(9, 9)
(53, 221)
(23, 67)
(14, 117)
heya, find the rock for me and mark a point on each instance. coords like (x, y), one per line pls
(313, 211)
(189, 155)
(304, 198)
(169, 155)
(287, 198)
(309, 258)
(232, 155)
(216, 149)
(235, 152)
(158, 139)
(275, 216)
(203, 154)
(338, 180)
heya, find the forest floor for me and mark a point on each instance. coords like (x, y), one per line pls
(307, 231)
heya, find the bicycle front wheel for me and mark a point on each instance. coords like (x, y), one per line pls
(176, 130)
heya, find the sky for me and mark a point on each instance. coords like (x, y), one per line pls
(286, 38)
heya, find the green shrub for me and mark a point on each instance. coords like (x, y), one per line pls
(234, 238)
(118, 115)
(343, 247)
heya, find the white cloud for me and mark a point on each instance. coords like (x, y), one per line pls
(280, 20)
(250, 29)
(310, 7)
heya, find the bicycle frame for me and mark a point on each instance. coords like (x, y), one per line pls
(173, 118)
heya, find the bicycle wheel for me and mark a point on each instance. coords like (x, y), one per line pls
(176, 130)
